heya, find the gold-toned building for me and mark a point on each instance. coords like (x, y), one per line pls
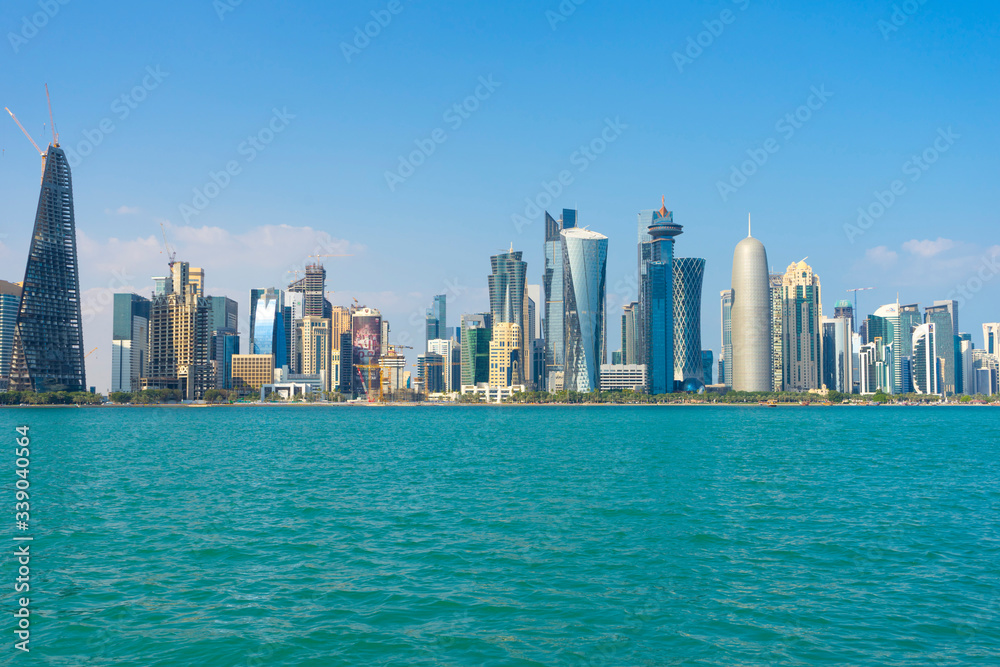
(252, 371)
(505, 363)
(316, 348)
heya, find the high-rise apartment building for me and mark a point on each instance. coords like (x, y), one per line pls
(47, 351)
(777, 330)
(505, 360)
(507, 304)
(316, 348)
(444, 348)
(129, 341)
(751, 318)
(725, 361)
(585, 257)
(802, 332)
(688, 276)
(180, 338)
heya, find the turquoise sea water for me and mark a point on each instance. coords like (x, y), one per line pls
(510, 536)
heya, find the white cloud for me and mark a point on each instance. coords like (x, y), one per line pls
(928, 248)
(123, 210)
(881, 256)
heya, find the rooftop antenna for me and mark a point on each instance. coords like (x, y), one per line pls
(52, 122)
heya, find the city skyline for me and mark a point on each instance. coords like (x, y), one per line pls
(825, 170)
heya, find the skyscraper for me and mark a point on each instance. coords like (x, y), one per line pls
(726, 360)
(10, 302)
(688, 275)
(267, 324)
(656, 297)
(553, 285)
(844, 308)
(943, 315)
(802, 333)
(475, 348)
(630, 337)
(129, 341)
(585, 256)
(707, 362)
(991, 338)
(313, 289)
(444, 347)
(47, 351)
(838, 363)
(367, 348)
(314, 333)
(751, 318)
(507, 302)
(179, 338)
(504, 359)
(777, 330)
(435, 321)
(925, 363)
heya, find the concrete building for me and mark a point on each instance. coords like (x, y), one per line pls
(725, 359)
(802, 332)
(777, 330)
(252, 371)
(444, 348)
(991, 338)
(10, 301)
(838, 355)
(314, 332)
(751, 318)
(629, 376)
(504, 355)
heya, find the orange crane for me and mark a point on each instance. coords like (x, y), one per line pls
(90, 353)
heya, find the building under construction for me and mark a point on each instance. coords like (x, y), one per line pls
(47, 352)
(366, 345)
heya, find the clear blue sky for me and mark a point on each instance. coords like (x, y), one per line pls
(324, 173)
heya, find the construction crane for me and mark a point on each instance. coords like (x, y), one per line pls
(52, 121)
(856, 290)
(318, 256)
(40, 151)
(172, 254)
(90, 353)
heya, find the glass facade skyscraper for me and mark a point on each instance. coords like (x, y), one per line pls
(10, 301)
(802, 334)
(726, 363)
(585, 256)
(47, 352)
(940, 315)
(925, 362)
(129, 341)
(688, 276)
(475, 345)
(267, 325)
(656, 297)
(553, 285)
(436, 320)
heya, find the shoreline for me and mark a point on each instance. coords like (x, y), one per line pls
(494, 405)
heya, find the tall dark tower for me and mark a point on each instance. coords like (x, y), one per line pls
(48, 337)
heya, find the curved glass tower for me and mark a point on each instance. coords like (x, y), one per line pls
(688, 275)
(268, 326)
(585, 257)
(751, 318)
(924, 366)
